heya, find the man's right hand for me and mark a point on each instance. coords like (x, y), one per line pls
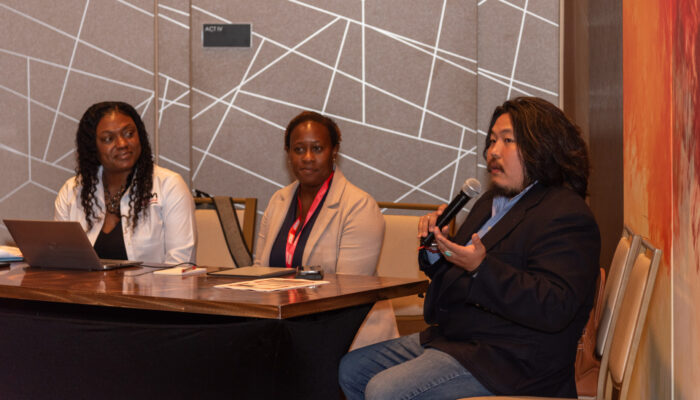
(427, 222)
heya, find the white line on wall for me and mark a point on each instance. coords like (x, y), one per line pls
(65, 80)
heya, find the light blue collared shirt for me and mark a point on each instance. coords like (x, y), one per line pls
(500, 207)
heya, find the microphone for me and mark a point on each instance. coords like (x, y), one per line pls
(470, 189)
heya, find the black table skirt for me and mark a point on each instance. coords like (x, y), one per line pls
(68, 351)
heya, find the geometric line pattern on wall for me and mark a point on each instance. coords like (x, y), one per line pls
(463, 64)
(64, 65)
(401, 79)
(463, 144)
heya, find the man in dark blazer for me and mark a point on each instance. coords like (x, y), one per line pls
(511, 292)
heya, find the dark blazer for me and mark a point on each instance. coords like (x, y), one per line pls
(514, 323)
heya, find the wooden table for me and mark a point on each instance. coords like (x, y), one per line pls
(177, 336)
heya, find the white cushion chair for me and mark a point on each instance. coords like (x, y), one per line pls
(212, 247)
(618, 274)
(399, 258)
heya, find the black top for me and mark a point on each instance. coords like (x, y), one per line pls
(111, 245)
(279, 248)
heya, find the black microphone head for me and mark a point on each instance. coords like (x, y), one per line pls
(471, 187)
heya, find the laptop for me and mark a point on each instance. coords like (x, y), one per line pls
(58, 244)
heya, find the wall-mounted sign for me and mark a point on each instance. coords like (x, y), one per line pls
(226, 35)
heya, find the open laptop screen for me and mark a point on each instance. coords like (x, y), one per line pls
(58, 244)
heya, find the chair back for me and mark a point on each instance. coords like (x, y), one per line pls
(399, 255)
(627, 330)
(618, 273)
(214, 244)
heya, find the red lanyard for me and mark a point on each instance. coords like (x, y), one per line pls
(292, 238)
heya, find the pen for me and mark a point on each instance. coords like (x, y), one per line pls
(187, 269)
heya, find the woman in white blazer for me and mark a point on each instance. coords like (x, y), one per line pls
(129, 207)
(323, 219)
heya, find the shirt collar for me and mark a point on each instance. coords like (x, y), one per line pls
(502, 202)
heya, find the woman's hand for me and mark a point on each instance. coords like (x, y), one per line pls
(426, 223)
(467, 257)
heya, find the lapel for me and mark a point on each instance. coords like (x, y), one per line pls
(497, 232)
(479, 214)
(279, 212)
(513, 217)
(326, 214)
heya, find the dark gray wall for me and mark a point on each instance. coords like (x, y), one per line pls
(592, 96)
(605, 122)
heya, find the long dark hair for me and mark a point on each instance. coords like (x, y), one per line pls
(141, 177)
(550, 144)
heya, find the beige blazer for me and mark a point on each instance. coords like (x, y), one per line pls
(345, 239)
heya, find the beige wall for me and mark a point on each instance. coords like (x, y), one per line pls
(410, 83)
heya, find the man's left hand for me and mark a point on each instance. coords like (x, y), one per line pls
(467, 257)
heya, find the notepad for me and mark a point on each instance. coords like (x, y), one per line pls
(182, 271)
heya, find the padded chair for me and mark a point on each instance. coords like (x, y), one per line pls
(630, 324)
(618, 273)
(616, 281)
(626, 327)
(214, 247)
(399, 258)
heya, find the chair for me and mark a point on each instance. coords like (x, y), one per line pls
(214, 246)
(618, 273)
(617, 276)
(626, 327)
(399, 258)
(630, 323)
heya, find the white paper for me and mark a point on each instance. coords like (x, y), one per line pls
(271, 284)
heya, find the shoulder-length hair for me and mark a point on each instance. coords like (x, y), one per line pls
(550, 144)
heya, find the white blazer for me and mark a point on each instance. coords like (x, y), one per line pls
(346, 238)
(165, 234)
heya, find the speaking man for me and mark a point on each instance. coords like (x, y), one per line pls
(511, 292)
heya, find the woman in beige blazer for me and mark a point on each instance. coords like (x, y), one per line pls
(323, 219)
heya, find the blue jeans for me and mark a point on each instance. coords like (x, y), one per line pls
(402, 369)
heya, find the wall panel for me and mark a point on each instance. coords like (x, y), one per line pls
(61, 58)
(409, 84)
